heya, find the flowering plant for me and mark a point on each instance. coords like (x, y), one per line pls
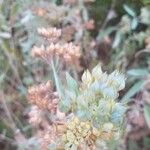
(80, 115)
(94, 106)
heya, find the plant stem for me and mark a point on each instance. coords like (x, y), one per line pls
(56, 79)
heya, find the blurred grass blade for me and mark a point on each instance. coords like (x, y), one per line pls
(104, 33)
(147, 114)
(138, 72)
(132, 91)
(129, 10)
(117, 39)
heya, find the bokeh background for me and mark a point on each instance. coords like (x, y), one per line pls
(114, 33)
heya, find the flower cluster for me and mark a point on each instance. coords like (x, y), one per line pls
(77, 133)
(96, 115)
(49, 136)
(96, 97)
(49, 129)
(49, 32)
(35, 116)
(68, 52)
(80, 133)
(95, 100)
(43, 96)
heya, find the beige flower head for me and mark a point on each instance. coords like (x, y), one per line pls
(68, 52)
(43, 96)
(52, 32)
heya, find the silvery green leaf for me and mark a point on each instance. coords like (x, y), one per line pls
(65, 105)
(139, 72)
(71, 83)
(70, 94)
(117, 113)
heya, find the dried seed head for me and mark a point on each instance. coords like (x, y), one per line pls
(37, 51)
(52, 33)
(50, 135)
(68, 52)
(43, 96)
(71, 53)
(46, 137)
(35, 116)
(68, 32)
(39, 11)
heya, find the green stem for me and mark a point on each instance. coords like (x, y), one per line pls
(56, 79)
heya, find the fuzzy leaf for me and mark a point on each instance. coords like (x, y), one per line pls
(117, 113)
(71, 83)
(65, 105)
